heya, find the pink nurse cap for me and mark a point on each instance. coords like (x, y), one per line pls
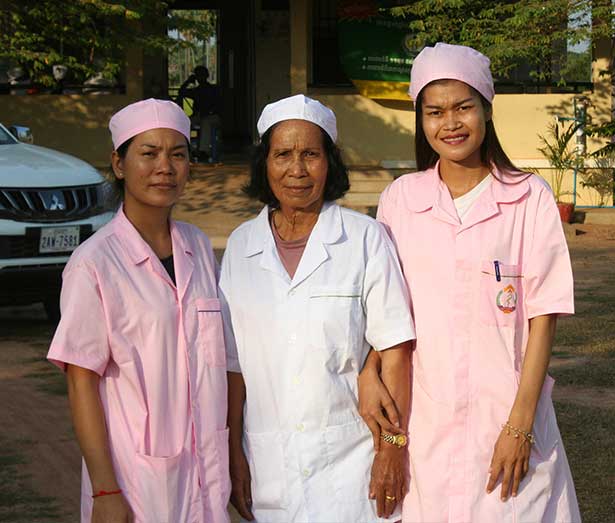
(145, 115)
(454, 62)
(298, 107)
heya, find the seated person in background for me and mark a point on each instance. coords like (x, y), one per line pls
(205, 108)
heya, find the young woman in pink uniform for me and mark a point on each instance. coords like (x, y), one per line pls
(143, 342)
(487, 266)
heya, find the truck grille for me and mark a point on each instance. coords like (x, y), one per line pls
(51, 205)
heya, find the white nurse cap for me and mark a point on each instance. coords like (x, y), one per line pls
(298, 107)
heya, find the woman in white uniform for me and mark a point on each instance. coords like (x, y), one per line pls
(310, 287)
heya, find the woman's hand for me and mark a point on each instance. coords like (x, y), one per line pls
(376, 406)
(511, 460)
(241, 492)
(91, 430)
(511, 456)
(111, 509)
(241, 495)
(388, 481)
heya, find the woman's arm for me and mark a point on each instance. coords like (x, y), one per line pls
(183, 88)
(241, 495)
(91, 432)
(388, 481)
(512, 454)
(395, 373)
(376, 406)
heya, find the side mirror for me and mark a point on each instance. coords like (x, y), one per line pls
(23, 134)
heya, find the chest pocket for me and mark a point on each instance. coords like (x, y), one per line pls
(501, 299)
(210, 331)
(336, 323)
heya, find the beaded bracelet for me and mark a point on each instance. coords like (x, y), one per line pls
(528, 436)
(106, 493)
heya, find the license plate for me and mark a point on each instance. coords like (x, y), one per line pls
(59, 239)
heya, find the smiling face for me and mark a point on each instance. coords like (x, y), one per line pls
(454, 121)
(155, 168)
(297, 165)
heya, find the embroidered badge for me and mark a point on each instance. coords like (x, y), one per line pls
(507, 299)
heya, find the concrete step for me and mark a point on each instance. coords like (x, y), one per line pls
(599, 216)
(369, 180)
(366, 199)
(366, 185)
(571, 230)
(371, 173)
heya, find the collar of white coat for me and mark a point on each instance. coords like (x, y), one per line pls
(425, 188)
(136, 247)
(328, 229)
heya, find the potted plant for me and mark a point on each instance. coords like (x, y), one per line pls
(563, 158)
(600, 178)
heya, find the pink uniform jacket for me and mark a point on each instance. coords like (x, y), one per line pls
(472, 330)
(160, 351)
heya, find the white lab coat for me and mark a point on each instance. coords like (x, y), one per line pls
(300, 346)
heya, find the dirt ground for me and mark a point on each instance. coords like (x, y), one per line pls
(39, 458)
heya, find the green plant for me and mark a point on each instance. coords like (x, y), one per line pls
(561, 156)
(605, 130)
(600, 178)
(92, 36)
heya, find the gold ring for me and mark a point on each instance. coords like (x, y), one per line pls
(390, 498)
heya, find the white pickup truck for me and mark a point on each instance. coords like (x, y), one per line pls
(50, 202)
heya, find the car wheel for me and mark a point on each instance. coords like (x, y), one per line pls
(52, 308)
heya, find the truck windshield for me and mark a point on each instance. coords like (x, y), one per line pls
(5, 137)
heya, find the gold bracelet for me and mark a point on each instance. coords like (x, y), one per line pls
(528, 436)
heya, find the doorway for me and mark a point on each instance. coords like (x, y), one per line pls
(223, 41)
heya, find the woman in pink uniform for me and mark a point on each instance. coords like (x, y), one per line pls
(142, 340)
(487, 266)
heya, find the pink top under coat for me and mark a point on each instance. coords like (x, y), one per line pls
(290, 251)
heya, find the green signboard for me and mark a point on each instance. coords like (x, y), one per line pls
(374, 50)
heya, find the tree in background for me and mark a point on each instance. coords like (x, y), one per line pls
(514, 33)
(89, 37)
(523, 32)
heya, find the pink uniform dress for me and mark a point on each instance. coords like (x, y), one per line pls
(472, 331)
(160, 351)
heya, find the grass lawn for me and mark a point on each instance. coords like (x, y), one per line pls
(584, 363)
(588, 436)
(19, 501)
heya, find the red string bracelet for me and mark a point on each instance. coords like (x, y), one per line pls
(106, 493)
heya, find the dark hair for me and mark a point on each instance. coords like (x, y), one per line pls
(336, 185)
(118, 183)
(491, 152)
